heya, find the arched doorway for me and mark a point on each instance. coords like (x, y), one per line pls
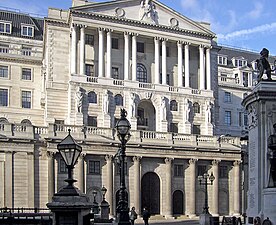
(151, 192)
(146, 116)
(178, 203)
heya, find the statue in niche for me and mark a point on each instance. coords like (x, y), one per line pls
(263, 65)
(106, 102)
(132, 105)
(187, 110)
(271, 143)
(79, 99)
(208, 112)
(163, 109)
(148, 12)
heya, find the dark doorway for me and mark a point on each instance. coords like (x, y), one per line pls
(151, 193)
(178, 203)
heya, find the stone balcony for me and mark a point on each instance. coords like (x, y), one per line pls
(20, 132)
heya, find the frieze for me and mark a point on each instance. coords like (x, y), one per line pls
(252, 117)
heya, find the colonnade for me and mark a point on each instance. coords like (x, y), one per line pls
(204, 57)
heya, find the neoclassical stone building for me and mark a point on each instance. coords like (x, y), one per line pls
(100, 57)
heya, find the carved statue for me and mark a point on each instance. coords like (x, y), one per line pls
(187, 110)
(148, 11)
(132, 105)
(79, 98)
(208, 113)
(271, 143)
(163, 109)
(263, 65)
(106, 102)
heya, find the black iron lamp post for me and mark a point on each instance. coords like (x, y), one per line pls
(123, 127)
(203, 180)
(95, 207)
(104, 190)
(70, 152)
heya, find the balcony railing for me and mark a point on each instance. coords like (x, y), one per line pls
(107, 135)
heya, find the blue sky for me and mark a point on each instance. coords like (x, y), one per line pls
(247, 24)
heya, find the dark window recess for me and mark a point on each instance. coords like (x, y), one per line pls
(94, 167)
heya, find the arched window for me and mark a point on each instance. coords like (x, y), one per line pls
(119, 100)
(92, 97)
(141, 73)
(173, 105)
(196, 107)
(26, 122)
(3, 121)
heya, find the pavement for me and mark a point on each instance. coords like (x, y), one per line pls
(179, 221)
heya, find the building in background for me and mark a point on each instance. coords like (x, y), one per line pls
(95, 59)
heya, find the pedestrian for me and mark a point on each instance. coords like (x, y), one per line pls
(146, 216)
(132, 215)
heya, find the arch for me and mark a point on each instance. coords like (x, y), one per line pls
(146, 116)
(173, 105)
(3, 120)
(119, 100)
(141, 73)
(178, 203)
(196, 107)
(151, 192)
(26, 122)
(92, 97)
(98, 196)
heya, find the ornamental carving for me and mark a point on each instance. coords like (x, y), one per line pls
(252, 117)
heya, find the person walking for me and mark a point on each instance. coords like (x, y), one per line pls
(146, 216)
(132, 215)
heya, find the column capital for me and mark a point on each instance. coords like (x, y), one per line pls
(51, 154)
(82, 26)
(82, 155)
(134, 34)
(108, 30)
(127, 33)
(137, 158)
(192, 161)
(187, 43)
(179, 42)
(236, 163)
(101, 28)
(157, 38)
(202, 46)
(215, 162)
(168, 160)
(164, 39)
(108, 157)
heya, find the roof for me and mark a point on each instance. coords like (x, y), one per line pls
(18, 19)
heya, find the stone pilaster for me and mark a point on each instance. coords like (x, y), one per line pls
(201, 68)
(134, 57)
(51, 175)
(136, 183)
(215, 196)
(73, 49)
(30, 160)
(109, 183)
(164, 61)
(187, 65)
(108, 53)
(126, 56)
(208, 68)
(157, 60)
(101, 53)
(82, 50)
(191, 193)
(180, 63)
(81, 177)
(168, 197)
(9, 179)
(236, 183)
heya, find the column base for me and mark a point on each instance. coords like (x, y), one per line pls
(169, 217)
(192, 216)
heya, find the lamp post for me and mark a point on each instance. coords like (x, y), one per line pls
(95, 207)
(203, 180)
(122, 127)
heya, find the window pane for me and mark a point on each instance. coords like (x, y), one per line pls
(115, 43)
(89, 70)
(92, 97)
(26, 99)
(92, 121)
(140, 47)
(227, 118)
(3, 97)
(141, 73)
(227, 97)
(2, 27)
(89, 39)
(115, 72)
(94, 167)
(178, 171)
(26, 74)
(4, 71)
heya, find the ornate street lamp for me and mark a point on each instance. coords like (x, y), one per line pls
(103, 190)
(203, 180)
(123, 127)
(70, 152)
(95, 205)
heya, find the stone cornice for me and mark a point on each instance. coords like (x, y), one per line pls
(56, 22)
(142, 24)
(37, 62)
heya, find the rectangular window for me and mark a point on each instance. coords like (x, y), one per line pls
(222, 60)
(227, 96)
(196, 129)
(115, 73)
(115, 43)
(227, 118)
(94, 167)
(92, 121)
(4, 48)
(26, 74)
(168, 79)
(27, 31)
(167, 51)
(245, 79)
(89, 39)
(3, 97)
(62, 166)
(26, 99)
(4, 71)
(240, 119)
(118, 169)
(140, 47)
(26, 51)
(5, 27)
(223, 172)
(173, 127)
(245, 119)
(201, 169)
(178, 171)
(89, 70)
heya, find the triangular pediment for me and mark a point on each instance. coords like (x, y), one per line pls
(146, 11)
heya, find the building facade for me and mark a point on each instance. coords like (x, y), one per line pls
(98, 58)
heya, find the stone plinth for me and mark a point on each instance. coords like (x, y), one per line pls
(133, 123)
(261, 107)
(204, 219)
(164, 126)
(187, 128)
(79, 119)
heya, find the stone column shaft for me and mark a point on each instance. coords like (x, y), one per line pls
(236, 194)
(157, 60)
(168, 198)
(30, 160)
(108, 54)
(137, 187)
(109, 183)
(201, 68)
(134, 57)
(190, 202)
(9, 179)
(51, 176)
(82, 50)
(187, 66)
(164, 62)
(126, 57)
(101, 52)
(74, 50)
(208, 68)
(215, 208)
(81, 177)
(180, 64)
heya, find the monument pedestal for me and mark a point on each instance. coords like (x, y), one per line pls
(208, 129)
(79, 119)
(164, 126)
(187, 128)
(106, 121)
(133, 123)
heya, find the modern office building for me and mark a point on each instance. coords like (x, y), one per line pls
(84, 64)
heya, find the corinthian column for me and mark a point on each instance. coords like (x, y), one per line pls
(51, 175)
(187, 65)
(180, 63)
(215, 209)
(168, 198)
(164, 61)
(201, 68)
(191, 193)
(82, 50)
(109, 182)
(73, 49)
(208, 68)
(108, 54)
(157, 60)
(134, 57)
(137, 185)
(30, 175)
(126, 58)
(236, 197)
(101, 52)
